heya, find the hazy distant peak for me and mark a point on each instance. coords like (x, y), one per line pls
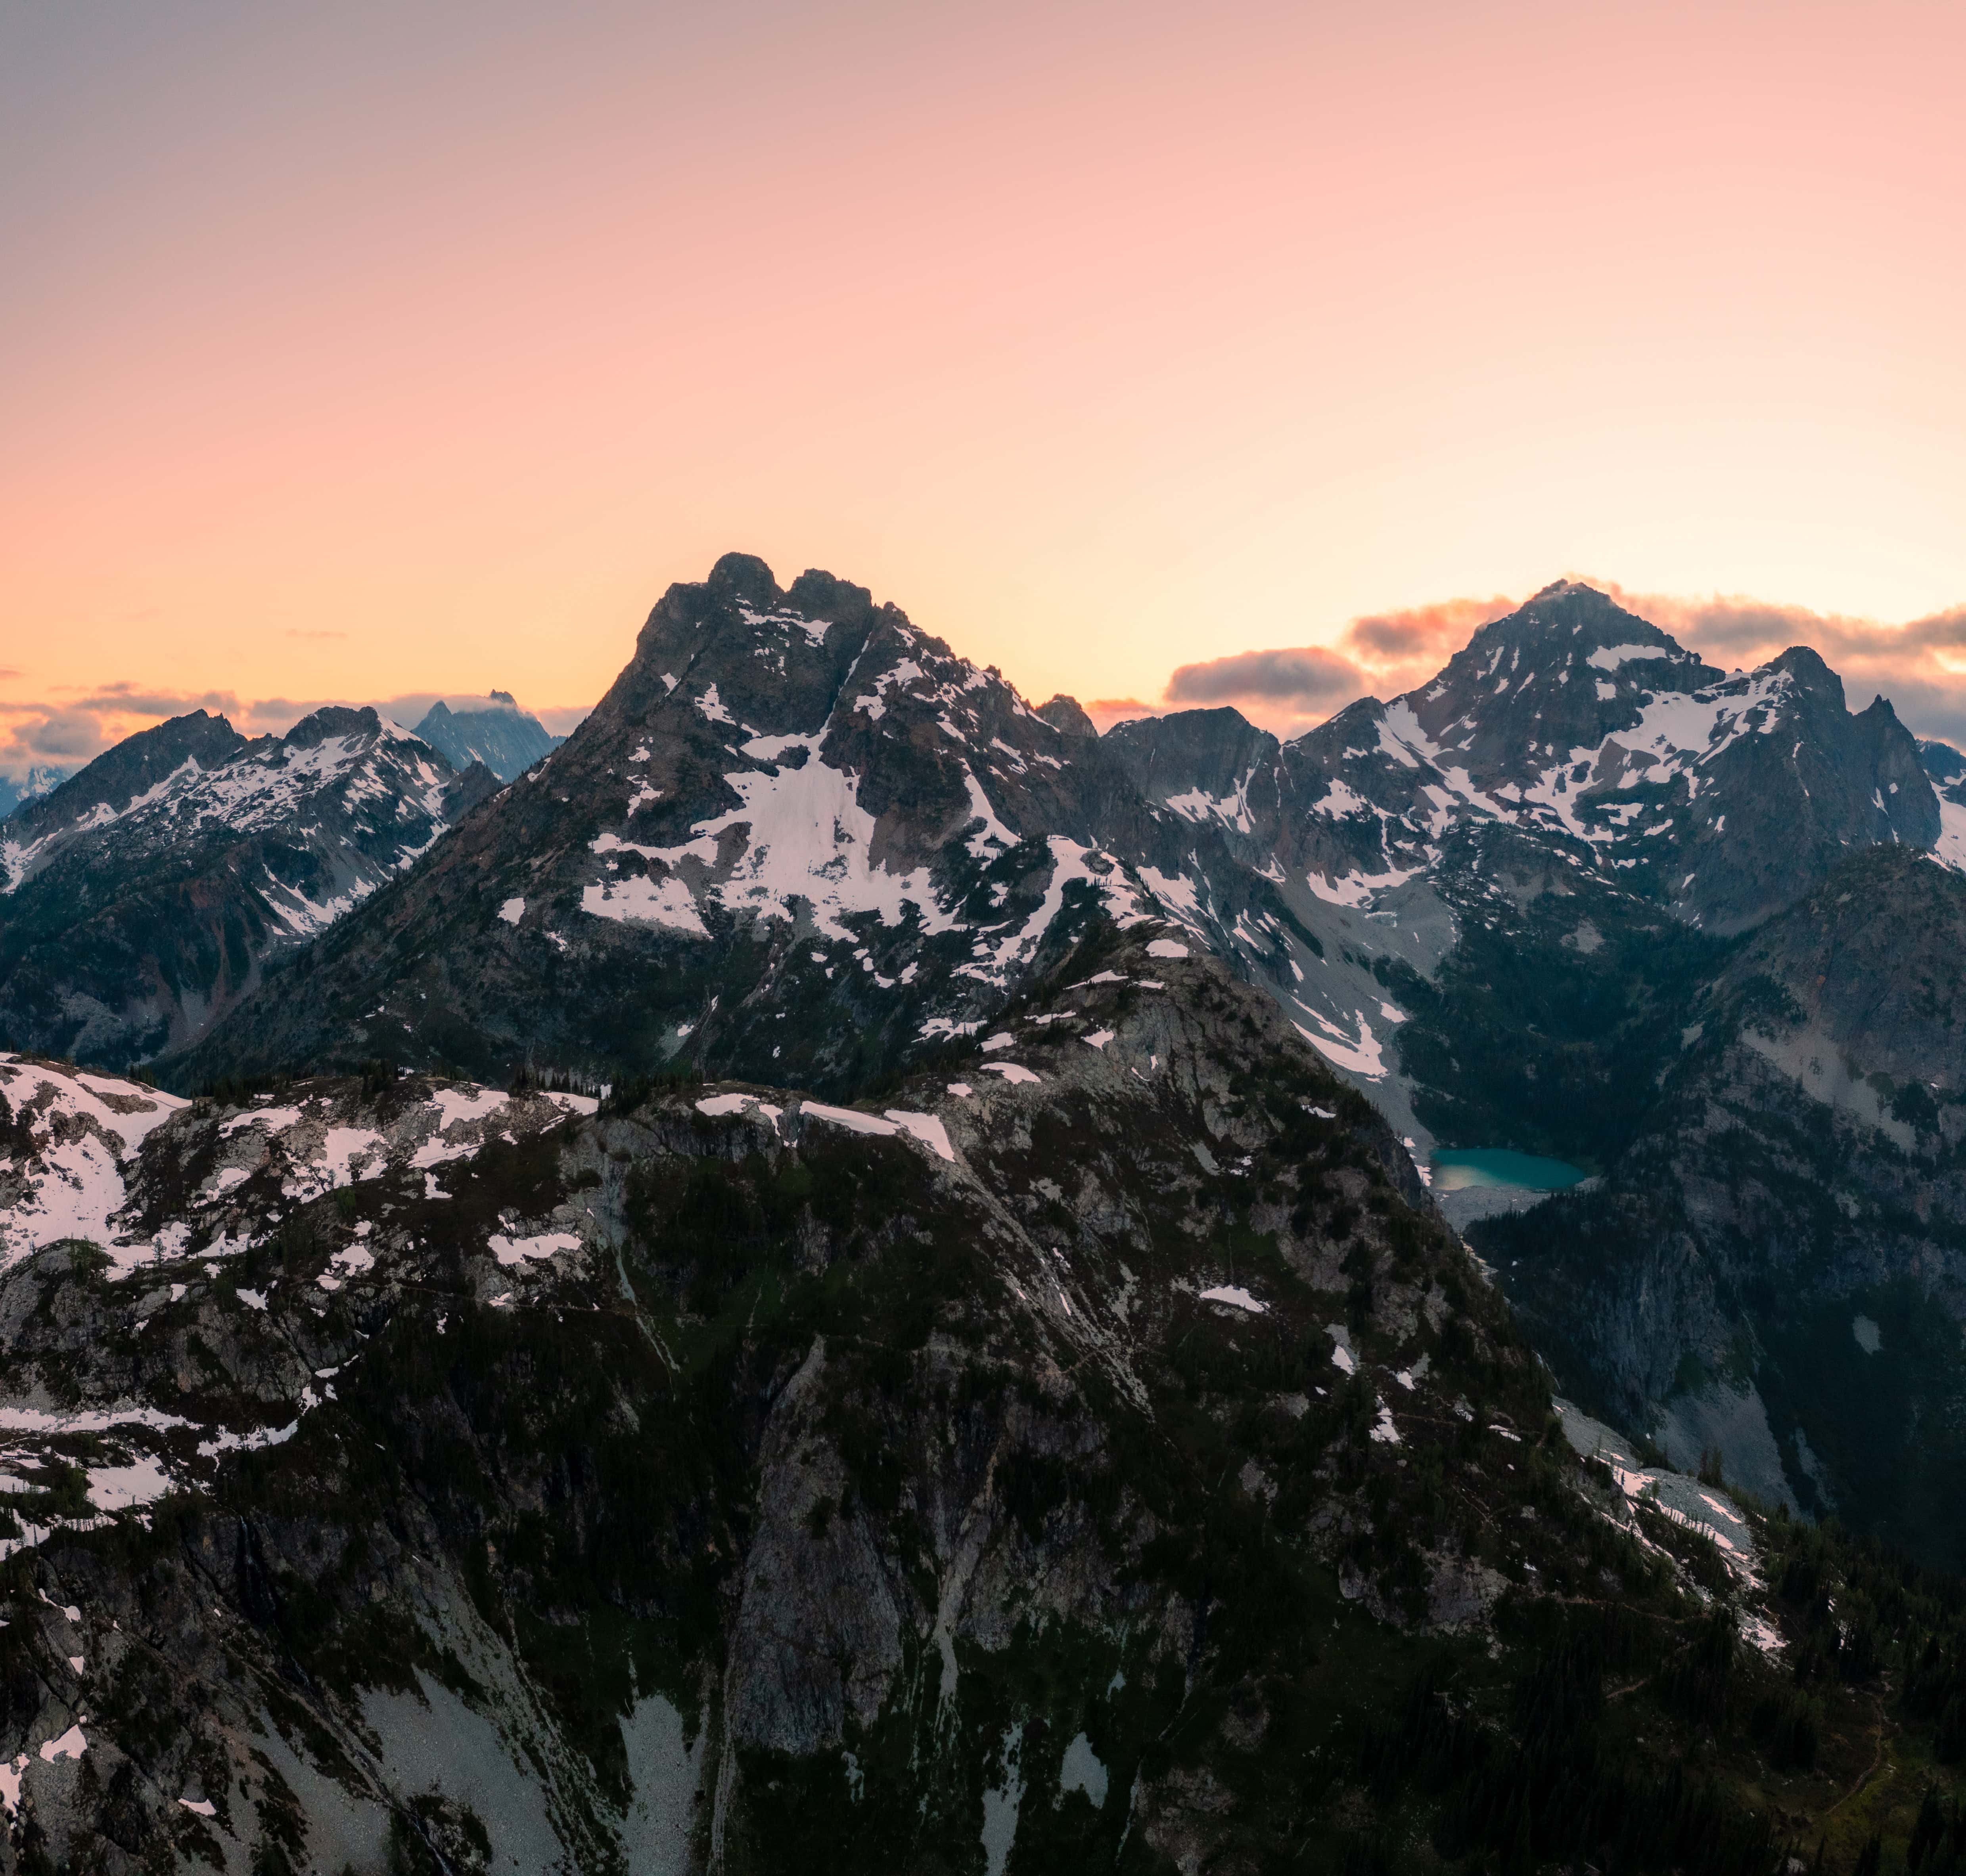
(493, 729)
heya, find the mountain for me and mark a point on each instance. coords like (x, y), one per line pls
(39, 780)
(493, 731)
(1571, 764)
(799, 838)
(1026, 1407)
(1094, 1453)
(811, 771)
(140, 899)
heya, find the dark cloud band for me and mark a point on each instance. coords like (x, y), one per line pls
(1309, 677)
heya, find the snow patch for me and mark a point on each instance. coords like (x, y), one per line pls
(1234, 1296)
(510, 1251)
(1012, 1071)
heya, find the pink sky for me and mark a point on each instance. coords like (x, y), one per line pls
(361, 351)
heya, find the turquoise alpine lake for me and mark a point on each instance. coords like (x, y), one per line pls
(1457, 1168)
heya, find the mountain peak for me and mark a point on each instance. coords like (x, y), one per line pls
(333, 720)
(1805, 666)
(1560, 589)
(744, 576)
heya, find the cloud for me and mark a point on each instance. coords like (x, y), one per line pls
(1307, 679)
(1106, 711)
(74, 727)
(130, 700)
(70, 733)
(1421, 635)
(1295, 688)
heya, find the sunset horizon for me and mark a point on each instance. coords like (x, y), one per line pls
(385, 356)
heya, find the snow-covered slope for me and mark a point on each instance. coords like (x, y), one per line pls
(70, 1138)
(1947, 768)
(138, 900)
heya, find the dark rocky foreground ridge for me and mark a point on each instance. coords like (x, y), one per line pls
(1096, 1449)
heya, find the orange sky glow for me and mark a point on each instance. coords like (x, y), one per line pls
(352, 352)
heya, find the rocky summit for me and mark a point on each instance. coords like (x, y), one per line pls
(841, 1269)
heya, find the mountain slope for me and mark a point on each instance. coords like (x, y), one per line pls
(1077, 1455)
(141, 897)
